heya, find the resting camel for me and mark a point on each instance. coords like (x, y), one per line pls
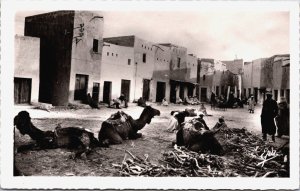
(121, 126)
(68, 137)
(193, 135)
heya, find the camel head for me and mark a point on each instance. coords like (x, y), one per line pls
(23, 122)
(148, 113)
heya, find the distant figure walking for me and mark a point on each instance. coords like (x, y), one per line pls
(269, 112)
(251, 105)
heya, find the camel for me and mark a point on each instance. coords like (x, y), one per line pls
(78, 138)
(193, 135)
(120, 126)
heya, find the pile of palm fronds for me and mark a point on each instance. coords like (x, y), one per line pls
(244, 155)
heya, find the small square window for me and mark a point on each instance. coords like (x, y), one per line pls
(142, 45)
(156, 58)
(116, 55)
(107, 53)
(112, 54)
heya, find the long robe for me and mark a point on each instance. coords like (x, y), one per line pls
(269, 112)
(282, 120)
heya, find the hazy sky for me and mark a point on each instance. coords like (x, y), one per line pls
(219, 35)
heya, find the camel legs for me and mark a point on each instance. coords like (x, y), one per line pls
(135, 136)
(179, 138)
(111, 137)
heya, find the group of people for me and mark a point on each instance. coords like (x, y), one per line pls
(191, 101)
(119, 102)
(273, 116)
(231, 102)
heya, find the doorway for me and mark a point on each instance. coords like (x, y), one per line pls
(107, 92)
(22, 90)
(160, 91)
(172, 92)
(125, 88)
(96, 88)
(203, 94)
(181, 91)
(146, 89)
(81, 85)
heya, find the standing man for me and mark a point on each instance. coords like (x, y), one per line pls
(268, 113)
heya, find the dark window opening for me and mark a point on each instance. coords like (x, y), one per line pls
(203, 77)
(112, 54)
(95, 45)
(129, 61)
(107, 53)
(144, 57)
(116, 55)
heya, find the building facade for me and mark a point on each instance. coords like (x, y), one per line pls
(70, 54)
(267, 73)
(143, 60)
(117, 68)
(161, 73)
(26, 72)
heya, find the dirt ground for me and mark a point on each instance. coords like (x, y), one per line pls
(155, 140)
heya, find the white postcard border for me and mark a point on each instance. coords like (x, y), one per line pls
(8, 10)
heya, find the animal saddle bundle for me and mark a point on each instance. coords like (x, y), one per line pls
(194, 126)
(119, 119)
(70, 136)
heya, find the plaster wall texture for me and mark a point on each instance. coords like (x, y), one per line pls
(115, 67)
(27, 62)
(88, 26)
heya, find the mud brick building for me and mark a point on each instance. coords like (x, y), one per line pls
(64, 56)
(117, 72)
(215, 77)
(70, 54)
(161, 73)
(182, 80)
(27, 69)
(267, 73)
(143, 63)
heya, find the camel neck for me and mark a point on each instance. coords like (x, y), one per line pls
(35, 133)
(139, 123)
